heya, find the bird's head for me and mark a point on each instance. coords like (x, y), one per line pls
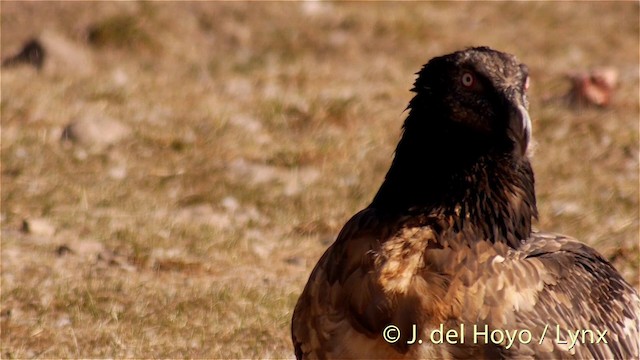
(478, 93)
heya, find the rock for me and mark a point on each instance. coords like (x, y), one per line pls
(118, 172)
(294, 180)
(32, 53)
(594, 87)
(63, 250)
(63, 320)
(95, 133)
(566, 208)
(295, 260)
(53, 52)
(315, 7)
(65, 55)
(230, 203)
(87, 248)
(252, 172)
(38, 226)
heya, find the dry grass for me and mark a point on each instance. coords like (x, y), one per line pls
(257, 129)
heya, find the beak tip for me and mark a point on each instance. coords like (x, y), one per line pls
(520, 128)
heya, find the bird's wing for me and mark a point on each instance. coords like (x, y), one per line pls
(355, 291)
(558, 296)
(381, 272)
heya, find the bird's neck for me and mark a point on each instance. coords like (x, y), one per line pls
(490, 195)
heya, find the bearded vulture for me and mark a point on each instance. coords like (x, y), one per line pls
(444, 263)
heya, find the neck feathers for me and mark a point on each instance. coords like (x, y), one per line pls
(477, 187)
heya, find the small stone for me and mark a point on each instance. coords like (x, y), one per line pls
(63, 321)
(32, 53)
(119, 77)
(294, 260)
(230, 203)
(593, 87)
(66, 55)
(63, 250)
(88, 248)
(21, 153)
(96, 133)
(54, 53)
(38, 226)
(118, 172)
(566, 208)
(5, 314)
(255, 173)
(315, 7)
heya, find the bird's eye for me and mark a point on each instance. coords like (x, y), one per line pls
(468, 79)
(526, 84)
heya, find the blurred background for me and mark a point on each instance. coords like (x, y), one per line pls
(171, 172)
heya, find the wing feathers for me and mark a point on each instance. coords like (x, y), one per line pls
(575, 290)
(376, 275)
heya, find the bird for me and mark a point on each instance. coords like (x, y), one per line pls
(444, 262)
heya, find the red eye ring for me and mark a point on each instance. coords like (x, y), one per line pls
(467, 79)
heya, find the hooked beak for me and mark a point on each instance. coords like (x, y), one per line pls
(519, 128)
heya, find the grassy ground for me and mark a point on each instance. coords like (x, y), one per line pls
(256, 130)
